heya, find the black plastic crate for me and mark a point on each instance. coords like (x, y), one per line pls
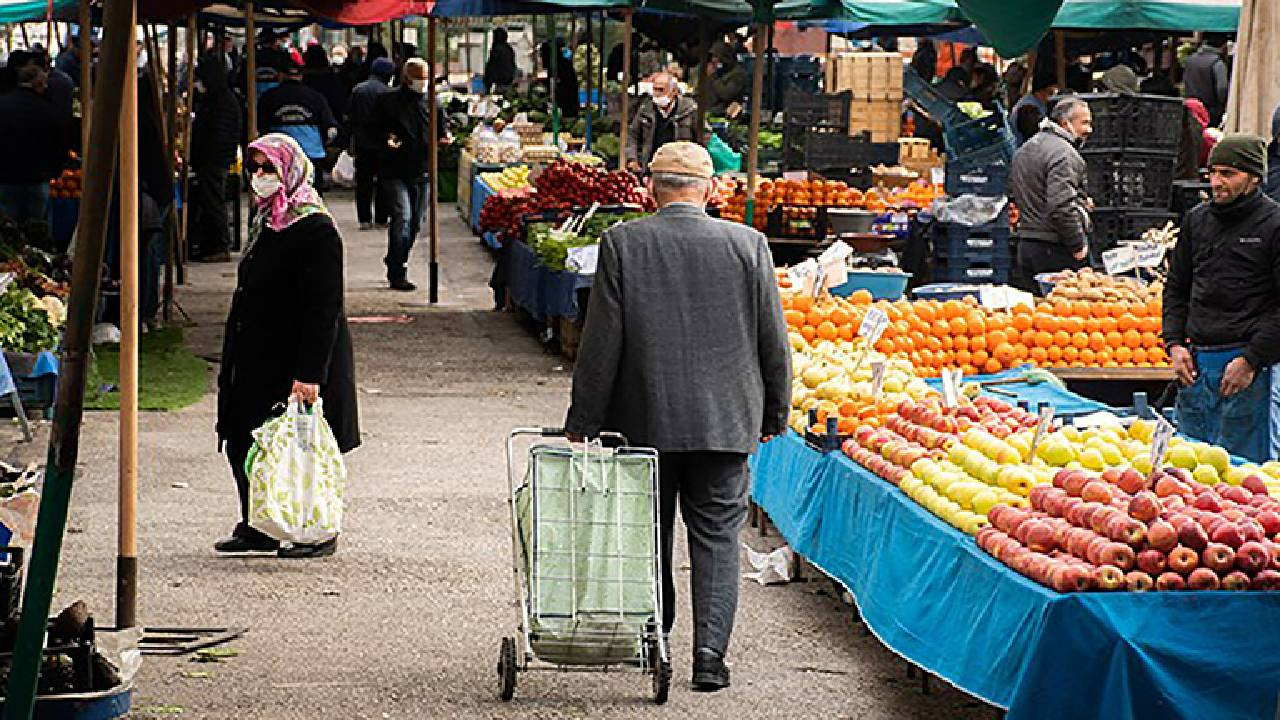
(1130, 179)
(984, 135)
(1188, 194)
(997, 274)
(796, 139)
(1112, 225)
(1144, 123)
(999, 254)
(977, 175)
(818, 109)
(957, 240)
(824, 151)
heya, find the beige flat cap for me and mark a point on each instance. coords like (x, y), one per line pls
(682, 158)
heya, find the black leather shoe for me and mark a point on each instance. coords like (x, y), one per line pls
(238, 545)
(298, 551)
(709, 671)
(403, 285)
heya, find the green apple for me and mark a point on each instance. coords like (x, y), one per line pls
(983, 501)
(1206, 474)
(1216, 457)
(909, 484)
(1092, 459)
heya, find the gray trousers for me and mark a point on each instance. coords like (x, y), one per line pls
(711, 489)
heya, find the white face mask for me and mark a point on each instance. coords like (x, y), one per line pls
(418, 86)
(662, 101)
(264, 186)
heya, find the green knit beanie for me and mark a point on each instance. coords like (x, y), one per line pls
(1242, 152)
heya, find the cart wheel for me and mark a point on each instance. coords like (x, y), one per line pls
(661, 670)
(507, 669)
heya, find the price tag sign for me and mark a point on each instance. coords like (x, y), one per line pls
(1149, 255)
(1160, 442)
(873, 325)
(802, 275)
(877, 377)
(1044, 423)
(819, 280)
(800, 175)
(1119, 260)
(937, 175)
(951, 387)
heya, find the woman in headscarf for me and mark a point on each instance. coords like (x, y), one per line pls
(286, 335)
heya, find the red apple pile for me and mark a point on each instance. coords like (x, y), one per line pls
(1121, 530)
(502, 212)
(887, 453)
(566, 184)
(991, 414)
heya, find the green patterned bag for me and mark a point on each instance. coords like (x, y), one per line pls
(296, 477)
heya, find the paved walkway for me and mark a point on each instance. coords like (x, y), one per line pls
(405, 621)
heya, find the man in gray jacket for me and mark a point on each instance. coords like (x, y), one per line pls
(1046, 182)
(665, 116)
(685, 350)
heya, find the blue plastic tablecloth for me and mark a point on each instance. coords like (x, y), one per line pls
(6, 378)
(932, 596)
(480, 191)
(1064, 402)
(541, 292)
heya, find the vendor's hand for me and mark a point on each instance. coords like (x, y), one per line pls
(306, 392)
(1184, 365)
(1082, 253)
(1237, 377)
(393, 141)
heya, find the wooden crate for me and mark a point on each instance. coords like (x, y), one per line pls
(883, 118)
(869, 76)
(917, 155)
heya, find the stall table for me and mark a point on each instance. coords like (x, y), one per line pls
(1115, 386)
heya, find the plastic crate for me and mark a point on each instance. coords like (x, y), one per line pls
(985, 273)
(837, 150)
(817, 109)
(1112, 225)
(937, 107)
(784, 224)
(982, 135)
(1188, 194)
(795, 141)
(952, 241)
(946, 291)
(977, 175)
(1143, 123)
(1130, 179)
(37, 393)
(881, 285)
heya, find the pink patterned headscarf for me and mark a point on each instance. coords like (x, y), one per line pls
(296, 197)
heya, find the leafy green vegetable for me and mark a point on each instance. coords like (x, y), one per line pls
(552, 246)
(25, 326)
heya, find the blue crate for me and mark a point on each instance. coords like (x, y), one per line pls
(980, 177)
(940, 109)
(979, 136)
(997, 256)
(881, 285)
(975, 273)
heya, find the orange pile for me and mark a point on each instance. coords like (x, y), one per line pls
(961, 334)
(824, 193)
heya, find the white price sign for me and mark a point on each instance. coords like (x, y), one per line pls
(1119, 260)
(1044, 423)
(873, 325)
(877, 377)
(951, 379)
(1149, 255)
(1160, 442)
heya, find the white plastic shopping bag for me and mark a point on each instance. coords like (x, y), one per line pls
(344, 170)
(296, 477)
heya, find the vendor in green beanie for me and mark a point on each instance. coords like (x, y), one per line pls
(1222, 304)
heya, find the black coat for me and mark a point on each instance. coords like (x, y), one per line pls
(403, 113)
(287, 323)
(33, 138)
(215, 132)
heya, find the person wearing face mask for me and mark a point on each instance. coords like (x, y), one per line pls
(300, 112)
(215, 134)
(667, 288)
(402, 127)
(286, 334)
(1047, 182)
(665, 116)
(1221, 316)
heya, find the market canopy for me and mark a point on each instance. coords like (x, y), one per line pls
(1202, 15)
(349, 12)
(12, 11)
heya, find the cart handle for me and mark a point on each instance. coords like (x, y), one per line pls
(555, 432)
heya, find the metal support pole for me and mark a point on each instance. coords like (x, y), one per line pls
(181, 253)
(250, 69)
(127, 524)
(1060, 57)
(433, 158)
(591, 76)
(64, 440)
(554, 75)
(625, 128)
(86, 74)
(753, 147)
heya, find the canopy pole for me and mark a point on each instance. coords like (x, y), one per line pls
(554, 83)
(180, 254)
(1060, 57)
(171, 139)
(433, 157)
(591, 81)
(64, 440)
(757, 93)
(86, 74)
(250, 69)
(625, 128)
(704, 79)
(127, 529)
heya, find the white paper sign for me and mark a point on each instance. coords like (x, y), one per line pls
(802, 276)
(1096, 419)
(877, 377)
(1120, 259)
(873, 325)
(1149, 255)
(800, 175)
(1003, 297)
(834, 275)
(937, 175)
(951, 379)
(1044, 423)
(582, 260)
(1160, 441)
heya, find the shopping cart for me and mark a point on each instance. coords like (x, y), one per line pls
(586, 562)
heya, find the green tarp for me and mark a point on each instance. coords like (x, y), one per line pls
(1189, 15)
(888, 13)
(12, 11)
(1011, 26)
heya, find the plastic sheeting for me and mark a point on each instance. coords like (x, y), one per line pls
(932, 596)
(1064, 402)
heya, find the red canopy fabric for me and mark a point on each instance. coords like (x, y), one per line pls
(350, 12)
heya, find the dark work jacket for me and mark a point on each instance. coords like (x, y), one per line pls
(287, 323)
(1224, 279)
(33, 138)
(403, 113)
(501, 67)
(360, 113)
(298, 111)
(215, 132)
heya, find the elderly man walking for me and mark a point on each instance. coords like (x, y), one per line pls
(685, 350)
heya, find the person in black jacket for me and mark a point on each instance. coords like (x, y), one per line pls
(320, 76)
(215, 133)
(567, 96)
(33, 143)
(402, 126)
(366, 145)
(1221, 317)
(500, 70)
(286, 335)
(301, 113)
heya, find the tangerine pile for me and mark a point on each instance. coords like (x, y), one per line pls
(821, 193)
(961, 334)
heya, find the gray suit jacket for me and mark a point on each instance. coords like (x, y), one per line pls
(685, 346)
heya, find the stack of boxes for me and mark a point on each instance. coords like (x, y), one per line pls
(875, 81)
